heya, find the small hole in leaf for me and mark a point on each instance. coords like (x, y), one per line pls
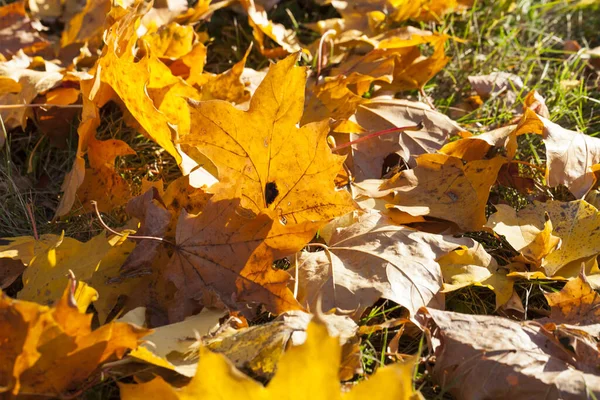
(271, 192)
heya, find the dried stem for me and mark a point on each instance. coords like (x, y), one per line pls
(325, 36)
(133, 237)
(32, 219)
(417, 127)
(44, 105)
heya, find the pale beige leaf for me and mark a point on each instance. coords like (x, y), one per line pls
(491, 357)
(367, 158)
(374, 258)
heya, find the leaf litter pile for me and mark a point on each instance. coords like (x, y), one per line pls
(293, 230)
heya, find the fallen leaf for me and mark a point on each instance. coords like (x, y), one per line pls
(228, 85)
(225, 252)
(169, 346)
(263, 158)
(366, 159)
(44, 277)
(50, 350)
(17, 31)
(570, 158)
(256, 350)
(374, 258)
(576, 306)
(52, 120)
(10, 270)
(502, 358)
(31, 83)
(154, 219)
(293, 379)
(262, 26)
(474, 266)
(441, 186)
(577, 224)
(87, 24)
(497, 83)
(525, 231)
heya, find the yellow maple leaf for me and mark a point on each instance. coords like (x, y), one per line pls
(306, 371)
(49, 350)
(264, 158)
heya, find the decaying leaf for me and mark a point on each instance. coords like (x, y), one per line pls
(26, 80)
(308, 370)
(373, 258)
(48, 351)
(17, 31)
(263, 158)
(572, 157)
(441, 186)
(366, 159)
(502, 358)
(223, 252)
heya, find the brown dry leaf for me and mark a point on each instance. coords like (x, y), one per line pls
(53, 120)
(17, 31)
(477, 354)
(262, 26)
(575, 321)
(223, 251)
(25, 84)
(525, 231)
(474, 266)
(90, 120)
(9, 271)
(366, 159)
(373, 258)
(263, 158)
(154, 219)
(496, 84)
(48, 351)
(441, 186)
(571, 157)
(104, 186)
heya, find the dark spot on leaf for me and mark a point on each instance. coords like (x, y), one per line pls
(271, 192)
(4, 242)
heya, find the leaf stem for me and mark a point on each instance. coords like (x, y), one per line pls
(11, 106)
(133, 237)
(417, 127)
